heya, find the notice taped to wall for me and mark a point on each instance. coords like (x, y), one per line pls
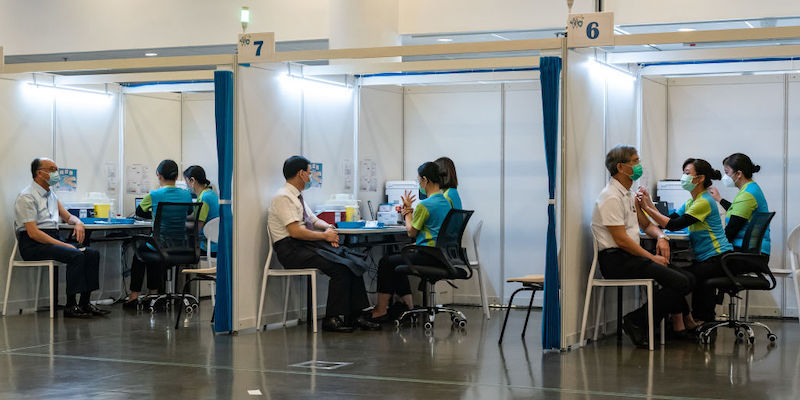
(137, 179)
(68, 180)
(346, 171)
(367, 176)
(316, 175)
(112, 177)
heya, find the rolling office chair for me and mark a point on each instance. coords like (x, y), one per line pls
(745, 269)
(453, 263)
(175, 242)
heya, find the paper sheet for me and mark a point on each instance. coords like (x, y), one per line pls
(367, 176)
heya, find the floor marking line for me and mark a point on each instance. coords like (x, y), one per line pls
(363, 377)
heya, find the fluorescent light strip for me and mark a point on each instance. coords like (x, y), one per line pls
(90, 91)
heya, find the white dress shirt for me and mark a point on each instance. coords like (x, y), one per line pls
(614, 207)
(35, 204)
(286, 208)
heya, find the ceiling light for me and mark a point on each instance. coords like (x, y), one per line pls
(686, 29)
(444, 40)
(150, 54)
(749, 24)
(244, 18)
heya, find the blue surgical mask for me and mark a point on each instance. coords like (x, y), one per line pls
(53, 179)
(686, 182)
(307, 185)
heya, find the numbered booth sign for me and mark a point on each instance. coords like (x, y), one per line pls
(256, 47)
(589, 30)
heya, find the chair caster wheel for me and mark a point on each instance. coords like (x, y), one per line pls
(189, 310)
(772, 338)
(751, 340)
(462, 323)
(428, 326)
(397, 323)
(740, 334)
(152, 310)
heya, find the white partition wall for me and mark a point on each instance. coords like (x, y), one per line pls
(152, 134)
(25, 133)
(199, 134)
(600, 108)
(793, 175)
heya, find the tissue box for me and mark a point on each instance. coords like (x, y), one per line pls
(387, 217)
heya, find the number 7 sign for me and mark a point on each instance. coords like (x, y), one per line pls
(256, 47)
(590, 30)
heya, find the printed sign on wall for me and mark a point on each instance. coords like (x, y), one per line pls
(68, 180)
(316, 175)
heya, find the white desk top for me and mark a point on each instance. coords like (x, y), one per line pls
(372, 231)
(671, 235)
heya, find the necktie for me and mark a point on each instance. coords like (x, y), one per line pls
(306, 218)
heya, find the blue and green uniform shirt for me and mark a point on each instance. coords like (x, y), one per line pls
(170, 194)
(750, 199)
(707, 235)
(428, 218)
(208, 211)
(452, 196)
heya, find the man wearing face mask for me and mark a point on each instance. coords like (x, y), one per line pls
(301, 240)
(616, 221)
(37, 213)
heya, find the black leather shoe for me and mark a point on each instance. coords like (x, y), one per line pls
(75, 312)
(94, 310)
(335, 324)
(635, 332)
(385, 318)
(367, 325)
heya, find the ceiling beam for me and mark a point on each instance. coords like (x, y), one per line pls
(134, 77)
(417, 66)
(736, 53)
(121, 63)
(722, 35)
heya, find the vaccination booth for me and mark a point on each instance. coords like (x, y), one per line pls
(693, 93)
(369, 123)
(107, 124)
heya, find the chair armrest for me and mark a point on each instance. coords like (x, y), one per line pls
(738, 263)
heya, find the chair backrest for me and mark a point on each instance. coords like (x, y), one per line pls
(756, 229)
(211, 231)
(594, 272)
(476, 239)
(173, 229)
(450, 235)
(793, 242)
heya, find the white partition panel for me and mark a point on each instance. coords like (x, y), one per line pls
(199, 134)
(152, 134)
(793, 189)
(462, 122)
(585, 177)
(380, 138)
(526, 195)
(654, 132)
(327, 135)
(711, 118)
(269, 112)
(25, 133)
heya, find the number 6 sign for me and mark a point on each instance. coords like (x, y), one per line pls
(256, 47)
(588, 30)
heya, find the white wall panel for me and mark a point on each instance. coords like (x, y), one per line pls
(463, 123)
(25, 133)
(199, 134)
(585, 177)
(526, 195)
(380, 138)
(654, 132)
(793, 189)
(152, 134)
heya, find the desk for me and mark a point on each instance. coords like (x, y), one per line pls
(112, 233)
(371, 237)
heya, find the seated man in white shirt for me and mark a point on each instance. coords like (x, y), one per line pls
(37, 214)
(616, 220)
(301, 240)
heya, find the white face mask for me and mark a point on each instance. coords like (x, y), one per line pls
(728, 181)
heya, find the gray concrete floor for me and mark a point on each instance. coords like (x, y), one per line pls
(135, 355)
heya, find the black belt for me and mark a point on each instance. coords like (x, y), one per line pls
(611, 250)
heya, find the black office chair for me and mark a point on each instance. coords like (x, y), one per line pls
(175, 243)
(450, 263)
(745, 269)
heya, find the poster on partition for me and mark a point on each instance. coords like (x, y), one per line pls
(67, 180)
(368, 176)
(346, 171)
(112, 177)
(316, 175)
(137, 179)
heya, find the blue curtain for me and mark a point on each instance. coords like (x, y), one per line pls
(223, 112)
(550, 72)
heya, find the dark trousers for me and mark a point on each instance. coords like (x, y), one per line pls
(82, 266)
(347, 294)
(155, 274)
(393, 282)
(703, 297)
(668, 299)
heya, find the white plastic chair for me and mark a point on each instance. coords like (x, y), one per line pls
(211, 232)
(49, 264)
(310, 272)
(793, 243)
(600, 282)
(476, 265)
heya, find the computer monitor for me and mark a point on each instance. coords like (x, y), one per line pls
(137, 201)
